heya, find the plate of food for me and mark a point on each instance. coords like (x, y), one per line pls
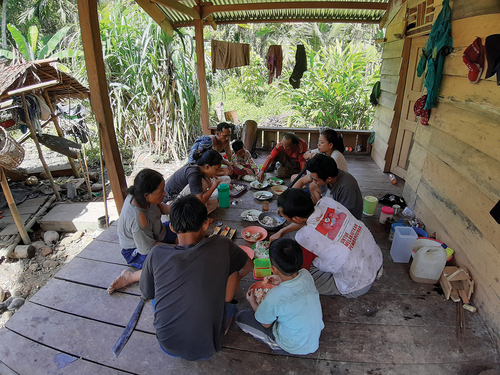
(261, 249)
(254, 234)
(259, 185)
(250, 215)
(261, 288)
(273, 181)
(249, 177)
(236, 189)
(263, 195)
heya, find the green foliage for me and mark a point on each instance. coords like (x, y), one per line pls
(34, 48)
(335, 90)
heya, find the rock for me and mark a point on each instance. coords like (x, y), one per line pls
(34, 267)
(16, 293)
(51, 237)
(39, 244)
(16, 303)
(65, 241)
(53, 256)
(94, 176)
(50, 263)
(27, 289)
(2, 294)
(46, 251)
(8, 314)
(60, 248)
(77, 235)
(96, 188)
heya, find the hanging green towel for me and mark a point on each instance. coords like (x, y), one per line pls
(438, 46)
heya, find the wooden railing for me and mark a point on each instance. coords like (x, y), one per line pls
(353, 139)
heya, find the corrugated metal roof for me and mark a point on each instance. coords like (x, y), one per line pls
(244, 11)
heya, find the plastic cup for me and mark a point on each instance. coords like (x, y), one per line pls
(369, 205)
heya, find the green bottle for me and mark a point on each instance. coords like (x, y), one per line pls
(223, 195)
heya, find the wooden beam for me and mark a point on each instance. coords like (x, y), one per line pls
(37, 86)
(202, 80)
(398, 105)
(99, 99)
(209, 9)
(40, 153)
(212, 23)
(60, 132)
(281, 20)
(157, 15)
(13, 208)
(175, 5)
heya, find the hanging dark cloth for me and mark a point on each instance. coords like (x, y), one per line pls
(300, 66)
(438, 46)
(274, 61)
(227, 55)
(376, 91)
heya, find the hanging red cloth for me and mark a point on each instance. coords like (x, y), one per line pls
(274, 61)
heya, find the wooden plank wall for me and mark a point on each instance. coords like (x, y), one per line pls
(453, 178)
(392, 57)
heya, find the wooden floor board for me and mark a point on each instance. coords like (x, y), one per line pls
(399, 327)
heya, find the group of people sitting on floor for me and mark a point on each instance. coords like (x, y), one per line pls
(192, 279)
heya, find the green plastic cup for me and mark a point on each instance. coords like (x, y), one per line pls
(369, 205)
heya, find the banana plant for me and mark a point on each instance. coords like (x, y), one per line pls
(34, 48)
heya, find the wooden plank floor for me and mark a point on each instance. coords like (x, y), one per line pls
(399, 327)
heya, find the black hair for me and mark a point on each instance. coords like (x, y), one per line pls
(237, 145)
(324, 166)
(294, 137)
(332, 137)
(224, 125)
(210, 157)
(286, 256)
(187, 214)
(296, 202)
(146, 182)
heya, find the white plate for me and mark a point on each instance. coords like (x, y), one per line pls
(259, 185)
(263, 195)
(249, 178)
(254, 213)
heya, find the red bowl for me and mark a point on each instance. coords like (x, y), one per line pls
(252, 230)
(249, 251)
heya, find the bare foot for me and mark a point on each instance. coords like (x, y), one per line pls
(125, 278)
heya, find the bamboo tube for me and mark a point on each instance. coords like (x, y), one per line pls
(40, 154)
(13, 208)
(87, 177)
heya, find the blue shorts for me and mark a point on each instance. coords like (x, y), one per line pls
(136, 259)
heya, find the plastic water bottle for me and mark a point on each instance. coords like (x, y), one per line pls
(223, 195)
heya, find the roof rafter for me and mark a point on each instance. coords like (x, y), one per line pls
(157, 15)
(281, 20)
(206, 10)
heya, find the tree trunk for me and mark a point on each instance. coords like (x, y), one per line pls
(4, 24)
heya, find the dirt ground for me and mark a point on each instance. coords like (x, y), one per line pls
(24, 277)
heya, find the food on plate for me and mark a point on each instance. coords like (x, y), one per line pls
(251, 217)
(237, 187)
(248, 234)
(269, 221)
(258, 185)
(267, 284)
(261, 249)
(256, 236)
(231, 233)
(225, 231)
(263, 195)
(249, 177)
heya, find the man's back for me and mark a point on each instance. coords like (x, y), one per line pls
(346, 191)
(188, 284)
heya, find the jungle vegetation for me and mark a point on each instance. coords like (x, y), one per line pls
(152, 77)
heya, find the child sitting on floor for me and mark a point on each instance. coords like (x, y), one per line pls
(243, 164)
(289, 318)
(193, 283)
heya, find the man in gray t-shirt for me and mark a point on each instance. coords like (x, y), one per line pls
(328, 180)
(193, 283)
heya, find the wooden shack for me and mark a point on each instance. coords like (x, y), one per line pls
(452, 165)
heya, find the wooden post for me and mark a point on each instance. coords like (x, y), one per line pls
(59, 132)
(99, 99)
(13, 207)
(37, 144)
(202, 80)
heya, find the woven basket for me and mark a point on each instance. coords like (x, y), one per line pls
(11, 153)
